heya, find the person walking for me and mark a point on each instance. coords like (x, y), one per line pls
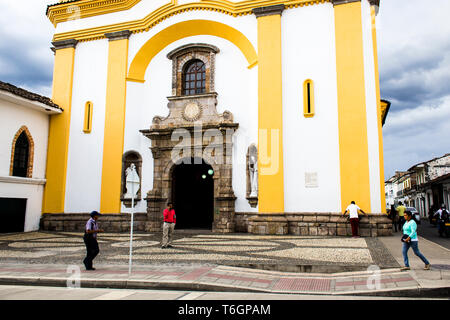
(401, 215)
(394, 217)
(170, 220)
(353, 209)
(90, 240)
(409, 240)
(442, 218)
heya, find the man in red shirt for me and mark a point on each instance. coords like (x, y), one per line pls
(170, 220)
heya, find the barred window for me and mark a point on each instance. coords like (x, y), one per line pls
(194, 78)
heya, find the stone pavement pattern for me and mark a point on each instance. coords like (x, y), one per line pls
(215, 262)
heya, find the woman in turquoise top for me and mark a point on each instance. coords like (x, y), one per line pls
(410, 229)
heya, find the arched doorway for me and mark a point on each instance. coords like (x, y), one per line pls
(193, 194)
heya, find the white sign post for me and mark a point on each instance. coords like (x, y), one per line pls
(131, 230)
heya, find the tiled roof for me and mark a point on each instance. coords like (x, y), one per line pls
(27, 94)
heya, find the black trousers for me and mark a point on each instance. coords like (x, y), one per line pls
(92, 250)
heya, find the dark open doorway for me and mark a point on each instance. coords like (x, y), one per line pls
(193, 195)
(12, 215)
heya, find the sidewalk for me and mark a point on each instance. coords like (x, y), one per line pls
(199, 276)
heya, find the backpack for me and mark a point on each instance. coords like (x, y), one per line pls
(444, 215)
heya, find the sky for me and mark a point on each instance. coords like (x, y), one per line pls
(414, 61)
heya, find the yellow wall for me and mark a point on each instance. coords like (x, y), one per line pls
(379, 117)
(58, 142)
(270, 115)
(114, 126)
(353, 144)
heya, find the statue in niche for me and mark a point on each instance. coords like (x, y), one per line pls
(132, 182)
(253, 169)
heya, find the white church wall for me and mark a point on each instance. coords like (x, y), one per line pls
(247, 25)
(237, 92)
(12, 118)
(311, 145)
(84, 167)
(371, 108)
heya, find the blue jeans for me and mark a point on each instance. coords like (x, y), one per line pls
(415, 247)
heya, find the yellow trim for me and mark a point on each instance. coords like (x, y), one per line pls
(184, 29)
(58, 140)
(114, 126)
(88, 110)
(270, 116)
(308, 102)
(353, 141)
(172, 8)
(87, 8)
(380, 110)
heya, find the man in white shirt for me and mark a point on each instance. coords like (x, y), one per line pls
(352, 209)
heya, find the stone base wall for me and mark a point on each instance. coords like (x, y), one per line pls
(77, 221)
(311, 224)
(302, 224)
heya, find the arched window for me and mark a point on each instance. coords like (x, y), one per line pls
(194, 78)
(21, 156)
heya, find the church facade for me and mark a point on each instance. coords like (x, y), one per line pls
(253, 116)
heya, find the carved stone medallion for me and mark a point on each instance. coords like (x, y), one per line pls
(192, 112)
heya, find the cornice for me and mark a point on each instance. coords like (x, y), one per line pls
(268, 11)
(338, 2)
(71, 10)
(119, 35)
(63, 44)
(242, 8)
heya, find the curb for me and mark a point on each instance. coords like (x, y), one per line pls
(413, 292)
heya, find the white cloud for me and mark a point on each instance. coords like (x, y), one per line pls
(414, 53)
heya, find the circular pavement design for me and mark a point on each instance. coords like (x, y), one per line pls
(207, 248)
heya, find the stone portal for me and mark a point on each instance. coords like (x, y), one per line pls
(193, 130)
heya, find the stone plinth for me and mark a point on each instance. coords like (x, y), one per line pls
(75, 222)
(311, 224)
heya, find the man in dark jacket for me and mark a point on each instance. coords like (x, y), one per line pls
(90, 240)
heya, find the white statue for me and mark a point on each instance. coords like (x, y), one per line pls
(253, 169)
(132, 182)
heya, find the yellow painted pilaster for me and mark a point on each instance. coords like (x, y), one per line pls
(380, 127)
(58, 140)
(353, 141)
(270, 111)
(114, 122)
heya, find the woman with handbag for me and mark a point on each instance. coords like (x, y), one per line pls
(410, 239)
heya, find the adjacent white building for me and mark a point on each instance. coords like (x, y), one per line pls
(24, 127)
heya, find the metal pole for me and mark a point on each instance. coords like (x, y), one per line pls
(131, 230)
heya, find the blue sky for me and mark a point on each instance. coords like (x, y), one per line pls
(414, 59)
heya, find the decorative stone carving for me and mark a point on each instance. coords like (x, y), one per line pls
(131, 173)
(132, 182)
(252, 175)
(192, 112)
